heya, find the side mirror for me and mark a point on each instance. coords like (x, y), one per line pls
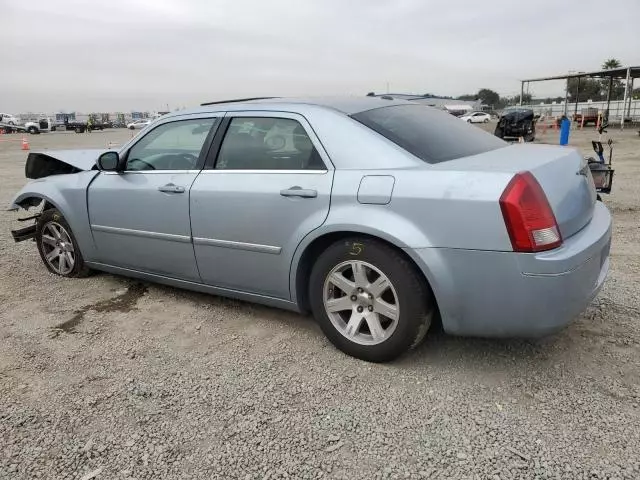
(109, 161)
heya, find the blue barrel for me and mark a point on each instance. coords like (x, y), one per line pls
(565, 128)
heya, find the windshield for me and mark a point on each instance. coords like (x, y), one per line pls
(429, 134)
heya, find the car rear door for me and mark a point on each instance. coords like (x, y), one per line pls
(140, 217)
(267, 186)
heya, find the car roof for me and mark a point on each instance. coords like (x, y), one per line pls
(345, 105)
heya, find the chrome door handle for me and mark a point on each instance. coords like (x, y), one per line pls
(299, 192)
(171, 188)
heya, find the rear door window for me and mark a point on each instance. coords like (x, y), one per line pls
(430, 134)
(267, 143)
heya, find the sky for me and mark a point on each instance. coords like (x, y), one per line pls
(124, 55)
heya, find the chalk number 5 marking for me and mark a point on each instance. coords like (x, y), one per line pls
(356, 249)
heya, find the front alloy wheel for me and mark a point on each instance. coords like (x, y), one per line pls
(57, 248)
(57, 245)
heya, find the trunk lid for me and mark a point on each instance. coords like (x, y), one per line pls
(561, 172)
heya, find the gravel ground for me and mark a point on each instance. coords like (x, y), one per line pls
(107, 378)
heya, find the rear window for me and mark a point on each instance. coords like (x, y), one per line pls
(429, 134)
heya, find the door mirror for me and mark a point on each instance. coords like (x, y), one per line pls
(109, 161)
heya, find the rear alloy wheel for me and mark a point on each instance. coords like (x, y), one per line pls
(58, 247)
(365, 312)
(32, 130)
(369, 300)
(486, 120)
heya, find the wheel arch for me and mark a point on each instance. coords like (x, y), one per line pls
(32, 199)
(304, 260)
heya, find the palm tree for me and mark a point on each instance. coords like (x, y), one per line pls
(617, 88)
(611, 63)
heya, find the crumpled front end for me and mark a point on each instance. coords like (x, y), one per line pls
(60, 162)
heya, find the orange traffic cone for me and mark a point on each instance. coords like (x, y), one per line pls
(25, 144)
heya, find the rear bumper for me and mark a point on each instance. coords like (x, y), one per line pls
(507, 294)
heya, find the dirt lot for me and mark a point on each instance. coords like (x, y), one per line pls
(147, 382)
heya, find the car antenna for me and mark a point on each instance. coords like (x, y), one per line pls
(236, 100)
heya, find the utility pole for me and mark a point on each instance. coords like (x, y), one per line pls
(627, 92)
(521, 92)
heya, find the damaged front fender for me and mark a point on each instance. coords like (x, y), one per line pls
(66, 193)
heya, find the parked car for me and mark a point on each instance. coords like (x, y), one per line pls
(9, 119)
(517, 122)
(139, 124)
(476, 117)
(373, 214)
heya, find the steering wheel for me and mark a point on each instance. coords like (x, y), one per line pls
(176, 161)
(151, 167)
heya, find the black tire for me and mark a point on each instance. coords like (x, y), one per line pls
(32, 130)
(414, 298)
(469, 121)
(132, 128)
(52, 215)
(486, 120)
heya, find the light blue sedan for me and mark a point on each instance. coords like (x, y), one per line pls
(377, 215)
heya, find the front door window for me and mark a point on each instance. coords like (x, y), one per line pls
(171, 146)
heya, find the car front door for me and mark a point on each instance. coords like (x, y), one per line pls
(140, 217)
(267, 188)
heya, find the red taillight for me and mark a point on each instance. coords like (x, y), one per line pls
(528, 216)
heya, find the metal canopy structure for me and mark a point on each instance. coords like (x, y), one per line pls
(628, 74)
